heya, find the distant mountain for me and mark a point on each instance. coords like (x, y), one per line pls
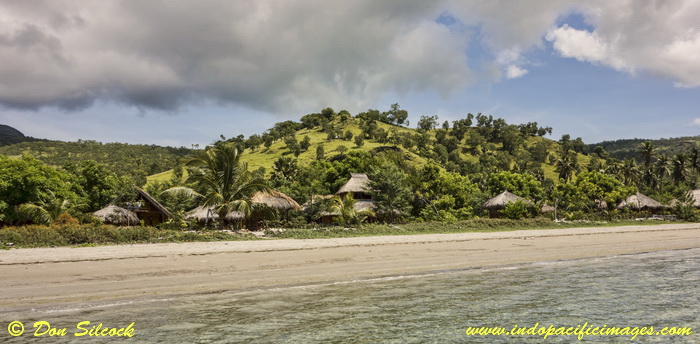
(629, 148)
(10, 135)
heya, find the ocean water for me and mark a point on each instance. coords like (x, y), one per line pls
(660, 289)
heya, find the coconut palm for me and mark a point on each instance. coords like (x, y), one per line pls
(43, 213)
(344, 208)
(679, 171)
(566, 166)
(662, 167)
(647, 149)
(629, 171)
(223, 180)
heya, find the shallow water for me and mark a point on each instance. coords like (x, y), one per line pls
(652, 289)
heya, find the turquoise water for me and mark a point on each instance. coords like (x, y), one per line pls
(653, 289)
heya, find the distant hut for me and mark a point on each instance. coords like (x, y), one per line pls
(275, 200)
(547, 209)
(640, 202)
(358, 185)
(149, 209)
(497, 204)
(117, 216)
(207, 214)
(695, 196)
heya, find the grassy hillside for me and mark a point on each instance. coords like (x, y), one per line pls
(264, 157)
(629, 148)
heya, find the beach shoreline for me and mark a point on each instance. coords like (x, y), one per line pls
(43, 278)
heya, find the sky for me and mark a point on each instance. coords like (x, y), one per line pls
(181, 72)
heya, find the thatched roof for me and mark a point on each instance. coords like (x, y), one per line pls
(695, 195)
(639, 201)
(114, 215)
(364, 204)
(500, 201)
(276, 200)
(359, 182)
(546, 209)
(154, 202)
(600, 204)
(201, 214)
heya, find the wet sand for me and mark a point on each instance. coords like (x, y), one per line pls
(56, 277)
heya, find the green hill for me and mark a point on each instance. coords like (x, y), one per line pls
(630, 148)
(10, 135)
(471, 153)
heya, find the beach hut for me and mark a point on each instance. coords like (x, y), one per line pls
(695, 196)
(497, 204)
(149, 209)
(640, 202)
(358, 185)
(275, 200)
(117, 216)
(208, 214)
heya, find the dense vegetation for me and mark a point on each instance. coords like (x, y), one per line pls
(629, 148)
(133, 161)
(440, 172)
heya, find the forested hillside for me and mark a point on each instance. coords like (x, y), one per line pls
(135, 161)
(630, 148)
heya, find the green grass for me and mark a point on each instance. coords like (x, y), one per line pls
(93, 235)
(470, 226)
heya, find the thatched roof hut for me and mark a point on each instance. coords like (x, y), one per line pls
(695, 195)
(116, 216)
(639, 201)
(358, 185)
(150, 210)
(205, 214)
(547, 209)
(498, 203)
(276, 200)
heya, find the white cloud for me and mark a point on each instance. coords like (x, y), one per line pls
(282, 56)
(696, 121)
(514, 72)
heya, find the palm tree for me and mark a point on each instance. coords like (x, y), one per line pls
(680, 170)
(224, 181)
(629, 171)
(45, 212)
(566, 165)
(647, 150)
(662, 169)
(344, 208)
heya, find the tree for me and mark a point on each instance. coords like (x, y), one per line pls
(223, 181)
(305, 143)
(396, 115)
(348, 135)
(647, 150)
(427, 123)
(390, 192)
(320, 152)
(29, 181)
(359, 141)
(344, 208)
(523, 185)
(566, 165)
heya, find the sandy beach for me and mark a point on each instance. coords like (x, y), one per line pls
(54, 277)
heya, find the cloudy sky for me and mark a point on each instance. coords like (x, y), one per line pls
(178, 72)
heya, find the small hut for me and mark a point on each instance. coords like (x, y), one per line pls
(206, 214)
(640, 202)
(117, 216)
(695, 196)
(149, 209)
(547, 209)
(275, 200)
(358, 185)
(497, 204)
